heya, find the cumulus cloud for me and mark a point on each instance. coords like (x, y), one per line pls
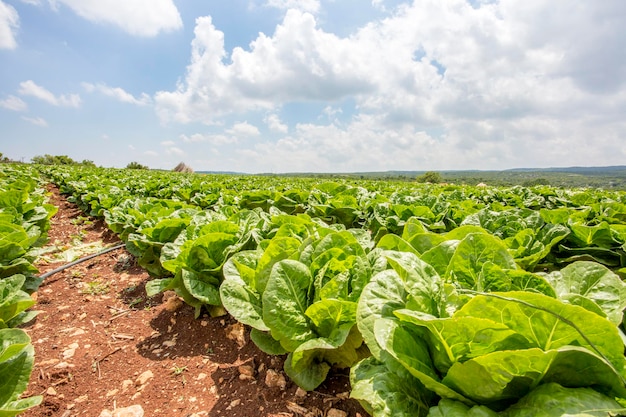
(274, 123)
(312, 6)
(173, 150)
(300, 62)
(30, 88)
(118, 93)
(9, 22)
(13, 103)
(213, 139)
(471, 84)
(37, 121)
(244, 129)
(144, 18)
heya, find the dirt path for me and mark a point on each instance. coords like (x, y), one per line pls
(101, 345)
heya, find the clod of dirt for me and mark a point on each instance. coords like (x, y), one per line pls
(173, 304)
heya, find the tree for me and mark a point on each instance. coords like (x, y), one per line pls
(88, 163)
(136, 165)
(53, 160)
(430, 177)
(536, 181)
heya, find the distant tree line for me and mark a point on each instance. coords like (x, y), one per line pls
(59, 160)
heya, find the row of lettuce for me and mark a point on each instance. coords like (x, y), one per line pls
(24, 222)
(443, 300)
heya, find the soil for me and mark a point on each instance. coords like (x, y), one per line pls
(102, 346)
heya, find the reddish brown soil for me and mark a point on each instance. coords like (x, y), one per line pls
(98, 334)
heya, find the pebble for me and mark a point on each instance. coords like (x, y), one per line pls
(132, 411)
(237, 333)
(333, 412)
(51, 391)
(144, 378)
(246, 372)
(275, 379)
(126, 384)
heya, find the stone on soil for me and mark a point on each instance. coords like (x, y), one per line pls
(275, 379)
(132, 411)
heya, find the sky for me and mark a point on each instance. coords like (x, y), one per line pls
(261, 86)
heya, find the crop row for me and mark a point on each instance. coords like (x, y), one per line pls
(441, 299)
(24, 222)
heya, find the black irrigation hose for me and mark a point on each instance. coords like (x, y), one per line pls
(86, 258)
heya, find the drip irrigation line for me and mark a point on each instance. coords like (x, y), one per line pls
(86, 258)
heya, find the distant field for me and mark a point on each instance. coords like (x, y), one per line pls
(613, 177)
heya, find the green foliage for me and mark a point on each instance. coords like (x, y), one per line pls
(430, 177)
(16, 362)
(14, 302)
(490, 299)
(136, 165)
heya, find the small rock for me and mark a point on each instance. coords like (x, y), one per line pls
(201, 376)
(51, 391)
(126, 384)
(275, 379)
(233, 404)
(68, 353)
(246, 372)
(63, 365)
(48, 362)
(112, 393)
(237, 333)
(333, 412)
(132, 411)
(300, 393)
(144, 378)
(170, 343)
(81, 399)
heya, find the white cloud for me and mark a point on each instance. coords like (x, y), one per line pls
(213, 139)
(300, 62)
(29, 88)
(168, 143)
(131, 147)
(312, 6)
(13, 103)
(243, 129)
(32, 2)
(274, 123)
(118, 93)
(173, 150)
(137, 17)
(471, 84)
(37, 121)
(151, 153)
(9, 22)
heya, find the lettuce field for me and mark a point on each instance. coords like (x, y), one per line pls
(441, 300)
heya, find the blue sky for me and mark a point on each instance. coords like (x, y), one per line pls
(315, 85)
